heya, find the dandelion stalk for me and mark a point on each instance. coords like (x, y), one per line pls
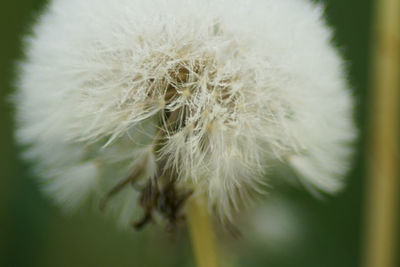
(383, 187)
(201, 234)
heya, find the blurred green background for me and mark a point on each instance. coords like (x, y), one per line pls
(299, 230)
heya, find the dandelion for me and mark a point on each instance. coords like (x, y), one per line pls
(161, 101)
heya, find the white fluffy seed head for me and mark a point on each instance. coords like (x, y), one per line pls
(234, 86)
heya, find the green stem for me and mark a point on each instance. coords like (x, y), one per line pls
(201, 234)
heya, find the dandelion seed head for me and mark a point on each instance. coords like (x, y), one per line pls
(233, 87)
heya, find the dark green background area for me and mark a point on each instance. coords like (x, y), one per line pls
(33, 232)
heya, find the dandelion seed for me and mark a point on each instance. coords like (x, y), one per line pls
(181, 98)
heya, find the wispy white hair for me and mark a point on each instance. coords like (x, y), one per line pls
(251, 83)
